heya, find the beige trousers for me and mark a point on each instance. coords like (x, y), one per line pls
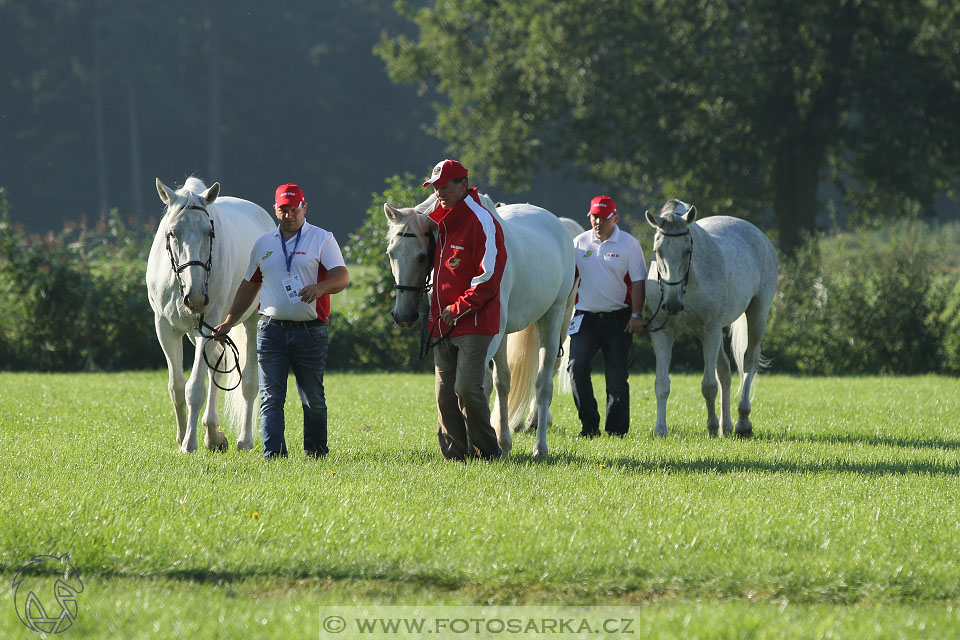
(464, 413)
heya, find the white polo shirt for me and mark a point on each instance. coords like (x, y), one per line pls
(316, 253)
(607, 270)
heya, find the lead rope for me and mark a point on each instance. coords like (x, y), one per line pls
(227, 343)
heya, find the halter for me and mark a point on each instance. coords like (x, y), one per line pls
(180, 268)
(661, 282)
(227, 341)
(425, 330)
(432, 244)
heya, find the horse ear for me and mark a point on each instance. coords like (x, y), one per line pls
(164, 192)
(211, 193)
(393, 216)
(652, 220)
(691, 215)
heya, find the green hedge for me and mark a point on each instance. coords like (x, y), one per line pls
(885, 300)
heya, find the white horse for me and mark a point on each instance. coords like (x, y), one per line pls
(707, 275)
(537, 293)
(197, 261)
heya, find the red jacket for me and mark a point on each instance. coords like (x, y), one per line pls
(468, 267)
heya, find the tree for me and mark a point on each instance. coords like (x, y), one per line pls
(742, 107)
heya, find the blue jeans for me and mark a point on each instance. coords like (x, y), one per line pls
(305, 351)
(602, 332)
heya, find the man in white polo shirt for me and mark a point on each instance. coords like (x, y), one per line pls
(609, 304)
(295, 269)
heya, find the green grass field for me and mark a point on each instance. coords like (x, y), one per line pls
(841, 518)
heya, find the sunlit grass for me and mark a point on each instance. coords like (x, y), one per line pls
(844, 504)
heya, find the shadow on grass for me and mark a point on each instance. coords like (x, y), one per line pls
(718, 464)
(869, 440)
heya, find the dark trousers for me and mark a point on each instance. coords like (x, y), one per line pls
(602, 332)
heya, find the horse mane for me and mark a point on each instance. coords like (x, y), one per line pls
(678, 207)
(192, 184)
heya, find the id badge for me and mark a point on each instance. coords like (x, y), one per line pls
(575, 323)
(292, 286)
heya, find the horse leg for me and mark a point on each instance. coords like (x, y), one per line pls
(172, 344)
(723, 375)
(663, 350)
(249, 385)
(214, 439)
(756, 326)
(712, 341)
(196, 392)
(501, 381)
(550, 337)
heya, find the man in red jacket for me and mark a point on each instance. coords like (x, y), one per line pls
(464, 311)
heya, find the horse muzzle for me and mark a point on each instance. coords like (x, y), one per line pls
(196, 303)
(673, 307)
(404, 319)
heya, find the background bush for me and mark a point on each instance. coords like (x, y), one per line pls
(882, 300)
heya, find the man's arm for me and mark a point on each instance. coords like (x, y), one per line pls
(638, 294)
(246, 294)
(337, 280)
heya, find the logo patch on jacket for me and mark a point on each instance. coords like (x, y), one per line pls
(588, 254)
(454, 262)
(266, 255)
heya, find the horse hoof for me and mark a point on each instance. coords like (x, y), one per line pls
(539, 454)
(744, 434)
(244, 446)
(713, 432)
(660, 432)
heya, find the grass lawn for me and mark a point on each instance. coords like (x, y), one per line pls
(839, 519)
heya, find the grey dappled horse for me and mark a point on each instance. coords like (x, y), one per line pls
(707, 275)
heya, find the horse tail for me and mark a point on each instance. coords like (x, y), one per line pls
(738, 344)
(523, 360)
(233, 399)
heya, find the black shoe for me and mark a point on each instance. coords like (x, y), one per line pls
(316, 455)
(274, 455)
(587, 435)
(616, 434)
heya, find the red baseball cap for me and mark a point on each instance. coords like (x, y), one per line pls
(602, 206)
(444, 172)
(289, 194)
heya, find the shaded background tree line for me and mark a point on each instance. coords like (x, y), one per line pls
(883, 300)
(798, 116)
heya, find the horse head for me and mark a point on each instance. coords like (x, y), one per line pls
(189, 239)
(673, 251)
(410, 246)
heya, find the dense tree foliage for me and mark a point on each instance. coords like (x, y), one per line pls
(98, 98)
(742, 107)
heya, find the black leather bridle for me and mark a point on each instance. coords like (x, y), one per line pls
(226, 341)
(661, 282)
(180, 268)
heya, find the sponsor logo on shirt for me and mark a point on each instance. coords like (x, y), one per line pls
(453, 246)
(611, 255)
(588, 254)
(266, 255)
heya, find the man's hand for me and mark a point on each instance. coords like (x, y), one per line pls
(634, 326)
(221, 330)
(447, 316)
(310, 292)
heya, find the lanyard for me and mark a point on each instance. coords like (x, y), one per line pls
(283, 243)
